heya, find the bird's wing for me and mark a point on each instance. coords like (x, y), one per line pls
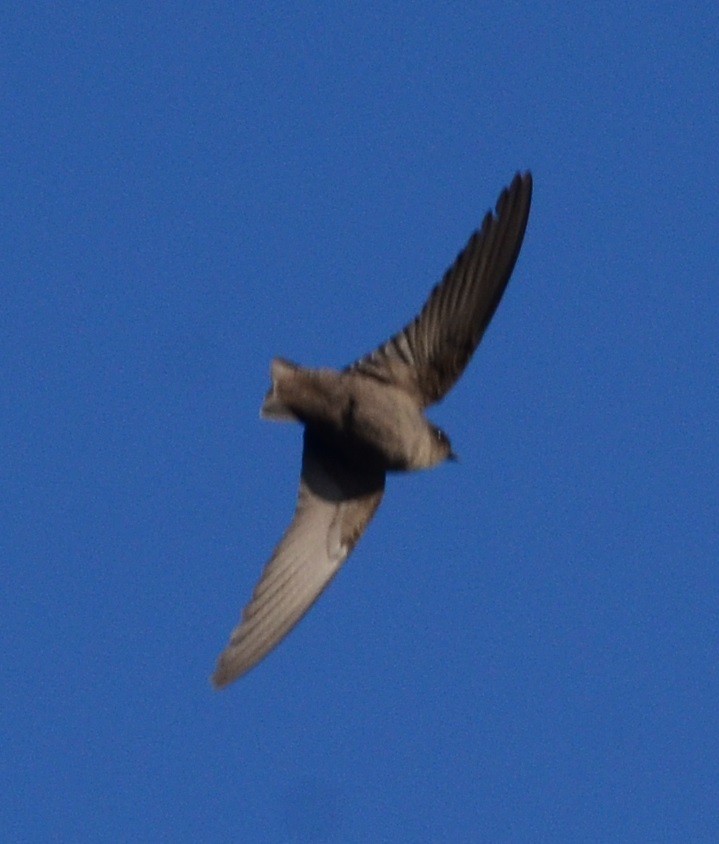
(336, 502)
(427, 357)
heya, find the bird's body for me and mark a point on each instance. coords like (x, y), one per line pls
(372, 421)
(366, 420)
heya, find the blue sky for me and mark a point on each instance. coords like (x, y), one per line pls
(523, 646)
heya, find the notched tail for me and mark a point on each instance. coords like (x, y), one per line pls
(273, 407)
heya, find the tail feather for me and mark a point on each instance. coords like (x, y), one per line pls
(273, 407)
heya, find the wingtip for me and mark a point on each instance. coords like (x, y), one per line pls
(217, 684)
(516, 195)
(222, 676)
(231, 665)
(522, 179)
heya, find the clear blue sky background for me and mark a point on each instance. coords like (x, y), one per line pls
(524, 646)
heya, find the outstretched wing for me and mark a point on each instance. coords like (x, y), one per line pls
(336, 502)
(427, 357)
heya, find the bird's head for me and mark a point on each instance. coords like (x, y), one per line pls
(441, 446)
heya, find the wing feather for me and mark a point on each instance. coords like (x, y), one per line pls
(336, 502)
(427, 357)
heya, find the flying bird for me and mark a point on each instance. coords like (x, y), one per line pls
(366, 420)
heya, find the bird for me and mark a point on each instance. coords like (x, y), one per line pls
(367, 420)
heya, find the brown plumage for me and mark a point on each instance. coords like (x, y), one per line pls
(367, 420)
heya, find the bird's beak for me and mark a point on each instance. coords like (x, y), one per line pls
(453, 457)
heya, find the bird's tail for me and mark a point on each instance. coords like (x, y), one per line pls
(273, 407)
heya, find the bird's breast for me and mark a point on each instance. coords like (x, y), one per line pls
(385, 420)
